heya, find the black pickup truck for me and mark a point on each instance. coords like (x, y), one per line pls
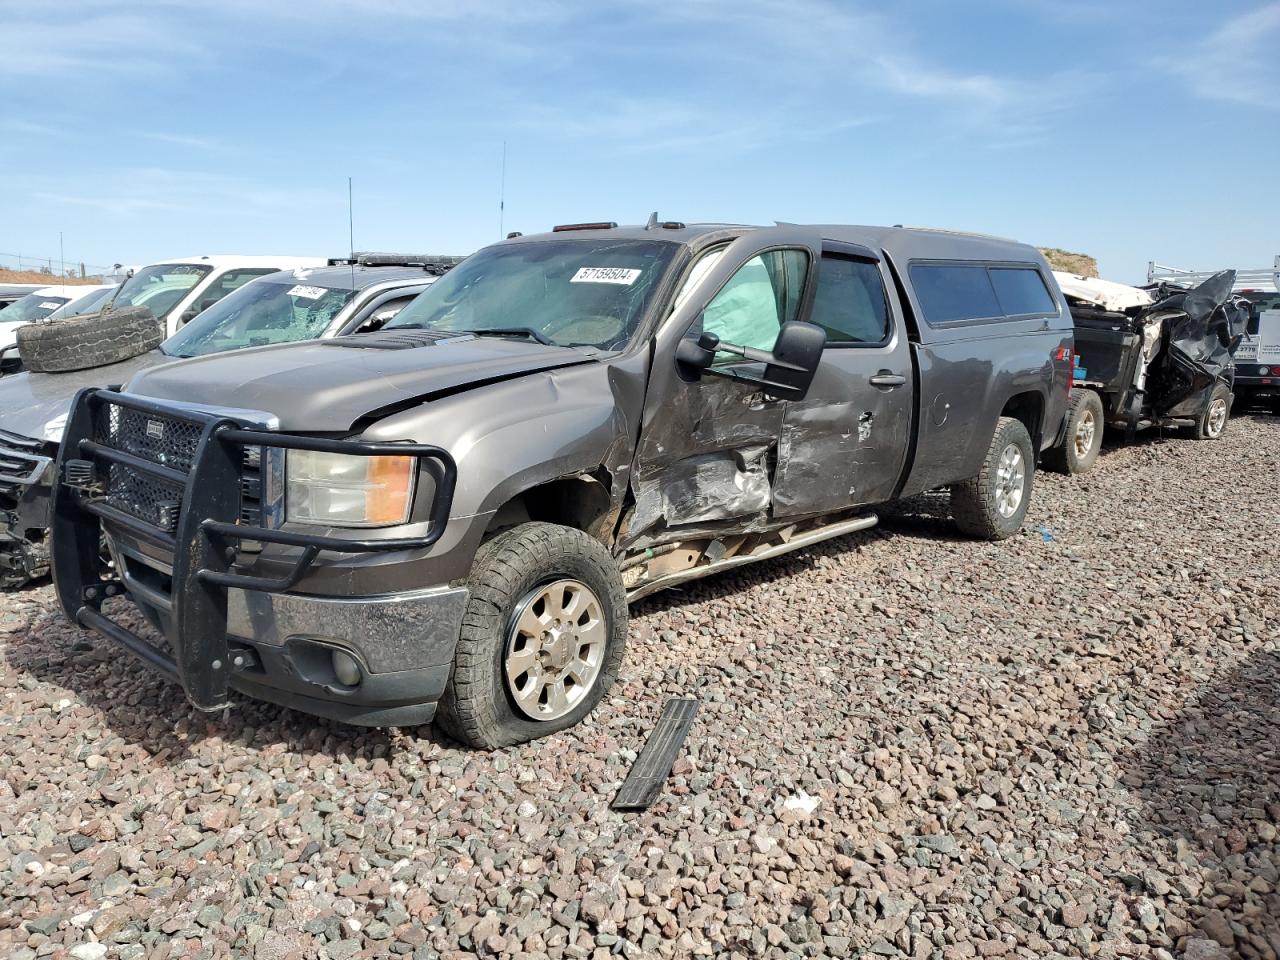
(1148, 357)
(448, 518)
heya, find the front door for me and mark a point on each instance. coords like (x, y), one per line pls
(845, 444)
(708, 445)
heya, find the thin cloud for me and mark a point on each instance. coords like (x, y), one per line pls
(181, 140)
(1236, 63)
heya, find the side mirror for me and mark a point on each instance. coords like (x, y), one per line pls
(789, 368)
(796, 355)
(188, 315)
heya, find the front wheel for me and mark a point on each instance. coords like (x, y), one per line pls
(1213, 419)
(542, 638)
(992, 505)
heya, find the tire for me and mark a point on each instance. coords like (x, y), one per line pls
(92, 340)
(1213, 419)
(1085, 422)
(984, 506)
(512, 572)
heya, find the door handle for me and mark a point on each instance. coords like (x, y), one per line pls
(886, 379)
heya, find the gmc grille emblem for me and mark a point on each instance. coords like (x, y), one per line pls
(155, 429)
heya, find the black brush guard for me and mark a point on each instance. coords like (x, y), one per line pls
(204, 540)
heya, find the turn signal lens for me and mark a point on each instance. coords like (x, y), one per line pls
(340, 490)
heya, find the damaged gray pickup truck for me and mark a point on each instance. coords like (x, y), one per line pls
(447, 518)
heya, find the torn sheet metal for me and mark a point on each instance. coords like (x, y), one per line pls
(1203, 327)
(704, 488)
(818, 456)
(1184, 341)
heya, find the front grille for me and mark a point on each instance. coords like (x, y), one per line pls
(168, 441)
(143, 496)
(21, 463)
(171, 442)
(164, 440)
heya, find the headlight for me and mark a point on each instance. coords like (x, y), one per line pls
(340, 490)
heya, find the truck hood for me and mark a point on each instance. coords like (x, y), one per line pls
(30, 401)
(328, 385)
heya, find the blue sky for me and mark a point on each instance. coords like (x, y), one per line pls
(1129, 129)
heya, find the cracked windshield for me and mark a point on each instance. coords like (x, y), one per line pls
(260, 313)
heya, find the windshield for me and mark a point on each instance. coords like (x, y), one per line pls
(159, 287)
(86, 304)
(261, 312)
(568, 292)
(34, 306)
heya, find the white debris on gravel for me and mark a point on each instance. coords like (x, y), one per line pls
(1063, 746)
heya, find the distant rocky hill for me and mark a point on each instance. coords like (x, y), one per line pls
(1080, 264)
(35, 276)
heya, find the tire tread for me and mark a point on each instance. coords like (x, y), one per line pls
(470, 711)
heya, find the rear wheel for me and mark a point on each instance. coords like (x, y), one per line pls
(1083, 442)
(1213, 420)
(542, 638)
(993, 504)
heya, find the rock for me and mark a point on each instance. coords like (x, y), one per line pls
(1215, 925)
(88, 951)
(1200, 949)
(1005, 769)
(1072, 915)
(44, 925)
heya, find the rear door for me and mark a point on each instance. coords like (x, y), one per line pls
(846, 443)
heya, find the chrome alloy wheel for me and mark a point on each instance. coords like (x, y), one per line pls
(1216, 420)
(1086, 430)
(555, 648)
(1011, 474)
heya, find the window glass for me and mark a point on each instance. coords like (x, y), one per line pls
(34, 306)
(763, 295)
(1021, 290)
(229, 281)
(1261, 303)
(572, 292)
(258, 314)
(159, 287)
(89, 303)
(700, 270)
(849, 302)
(385, 312)
(950, 292)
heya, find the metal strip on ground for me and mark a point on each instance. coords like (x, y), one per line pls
(652, 767)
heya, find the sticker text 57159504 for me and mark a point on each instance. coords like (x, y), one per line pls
(625, 276)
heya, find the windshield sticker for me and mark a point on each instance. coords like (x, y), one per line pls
(303, 292)
(625, 276)
(50, 305)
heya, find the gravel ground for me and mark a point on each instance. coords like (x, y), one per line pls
(910, 745)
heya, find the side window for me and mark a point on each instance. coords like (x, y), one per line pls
(850, 301)
(700, 270)
(953, 292)
(1021, 291)
(763, 295)
(384, 312)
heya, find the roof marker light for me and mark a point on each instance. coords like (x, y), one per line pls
(600, 225)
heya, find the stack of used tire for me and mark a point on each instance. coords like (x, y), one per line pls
(91, 340)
